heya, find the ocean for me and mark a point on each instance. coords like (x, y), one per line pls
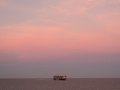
(69, 84)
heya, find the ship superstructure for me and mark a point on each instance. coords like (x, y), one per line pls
(59, 77)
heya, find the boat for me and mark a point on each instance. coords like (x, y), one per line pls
(59, 77)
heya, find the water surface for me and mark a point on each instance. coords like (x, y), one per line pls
(69, 84)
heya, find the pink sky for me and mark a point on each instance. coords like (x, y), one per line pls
(34, 31)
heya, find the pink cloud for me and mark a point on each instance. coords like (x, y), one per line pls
(97, 32)
(3, 3)
(77, 7)
(52, 37)
(69, 7)
(109, 20)
(24, 38)
(42, 42)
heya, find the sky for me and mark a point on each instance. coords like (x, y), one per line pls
(42, 38)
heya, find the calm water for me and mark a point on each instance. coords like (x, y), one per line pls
(69, 84)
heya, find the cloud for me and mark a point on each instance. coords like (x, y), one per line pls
(75, 7)
(27, 43)
(69, 8)
(61, 27)
(35, 38)
(3, 3)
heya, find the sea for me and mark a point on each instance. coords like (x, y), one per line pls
(69, 84)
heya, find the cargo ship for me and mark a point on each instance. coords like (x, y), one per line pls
(59, 77)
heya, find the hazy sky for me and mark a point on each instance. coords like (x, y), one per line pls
(41, 38)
